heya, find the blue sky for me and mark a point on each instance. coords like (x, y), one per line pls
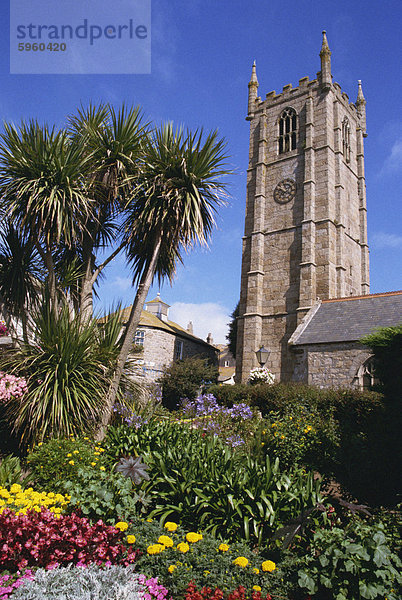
(201, 60)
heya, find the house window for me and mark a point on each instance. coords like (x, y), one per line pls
(178, 350)
(287, 130)
(139, 337)
(346, 140)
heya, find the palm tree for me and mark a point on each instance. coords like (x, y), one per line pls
(67, 367)
(20, 276)
(42, 183)
(172, 209)
(66, 189)
(113, 141)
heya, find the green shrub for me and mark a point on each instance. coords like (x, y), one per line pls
(11, 472)
(203, 483)
(57, 461)
(386, 343)
(299, 435)
(103, 495)
(352, 564)
(185, 378)
(202, 563)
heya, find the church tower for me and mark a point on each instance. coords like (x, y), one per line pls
(305, 233)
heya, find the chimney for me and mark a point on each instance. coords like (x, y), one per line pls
(190, 327)
(210, 339)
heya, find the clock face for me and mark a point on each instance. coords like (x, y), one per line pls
(285, 191)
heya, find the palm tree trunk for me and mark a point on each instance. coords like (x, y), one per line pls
(133, 321)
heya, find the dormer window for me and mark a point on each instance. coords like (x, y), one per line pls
(287, 131)
(346, 139)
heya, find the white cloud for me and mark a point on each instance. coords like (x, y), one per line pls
(207, 317)
(382, 239)
(121, 283)
(394, 160)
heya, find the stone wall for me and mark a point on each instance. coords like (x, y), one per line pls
(329, 365)
(159, 351)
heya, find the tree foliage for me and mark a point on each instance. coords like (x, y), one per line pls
(184, 379)
(232, 334)
(386, 344)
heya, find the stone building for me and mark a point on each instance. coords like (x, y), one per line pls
(164, 341)
(305, 234)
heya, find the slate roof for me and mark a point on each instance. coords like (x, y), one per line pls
(349, 319)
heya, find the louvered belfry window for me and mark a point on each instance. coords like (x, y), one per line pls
(287, 130)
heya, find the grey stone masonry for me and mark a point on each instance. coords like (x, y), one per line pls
(305, 234)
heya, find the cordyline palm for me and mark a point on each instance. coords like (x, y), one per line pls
(67, 188)
(42, 183)
(20, 276)
(113, 142)
(173, 206)
(67, 369)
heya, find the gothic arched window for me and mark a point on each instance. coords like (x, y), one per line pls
(366, 377)
(346, 139)
(287, 130)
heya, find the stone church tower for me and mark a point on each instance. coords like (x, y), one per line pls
(305, 228)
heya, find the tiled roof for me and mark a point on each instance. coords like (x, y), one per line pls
(349, 319)
(151, 320)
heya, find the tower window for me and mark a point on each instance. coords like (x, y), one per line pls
(346, 139)
(287, 130)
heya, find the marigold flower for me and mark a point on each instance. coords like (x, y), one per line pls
(241, 561)
(255, 570)
(256, 588)
(155, 549)
(71, 462)
(223, 547)
(183, 547)
(165, 540)
(131, 539)
(268, 565)
(170, 526)
(193, 537)
(172, 568)
(122, 525)
(102, 469)
(93, 464)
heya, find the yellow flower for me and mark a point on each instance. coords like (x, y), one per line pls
(76, 452)
(165, 540)
(170, 526)
(255, 570)
(256, 588)
(15, 488)
(183, 547)
(241, 561)
(155, 549)
(307, 429)
(71, 462)
(40, 444)
(97, 453)
(193, 537)
(223, 547)
(93, 464)
(282, 437)
(102, 469)
(131, 539)
(268, 565)
(122, 525)
(172, 568)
